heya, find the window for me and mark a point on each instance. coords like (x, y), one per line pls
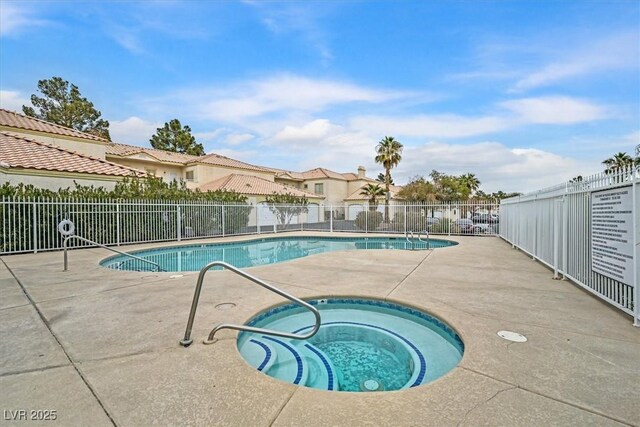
(319, 189)
(190, 175)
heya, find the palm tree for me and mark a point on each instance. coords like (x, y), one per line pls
(381, 179)
(372, 191)
(618, 162)
(389, 154)
(470, 182)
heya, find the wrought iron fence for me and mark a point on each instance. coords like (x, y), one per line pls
(31, 224)
(586, 230)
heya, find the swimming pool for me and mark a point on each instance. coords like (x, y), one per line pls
(250, 253)
(362, 345)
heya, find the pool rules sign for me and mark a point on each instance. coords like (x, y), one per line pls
(612, 233)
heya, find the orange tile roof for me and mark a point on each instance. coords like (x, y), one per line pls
(247, 184)
(218, 160)
(20, 121)
(19, 152)
(322, 173)
(124, 150)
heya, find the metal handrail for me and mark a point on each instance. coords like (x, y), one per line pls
(64, 245)
(413, 244)
(187, 340)
(427, 242)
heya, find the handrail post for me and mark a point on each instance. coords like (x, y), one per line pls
(187, 340)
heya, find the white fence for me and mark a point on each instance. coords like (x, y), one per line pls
(31, 225)
(588, 231)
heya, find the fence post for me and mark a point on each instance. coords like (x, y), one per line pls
(117, 222)
(35, 227)
(178, 223)
(565, 235)
(556, 236)
(258, 218)
(405, 220)
(331, 218)
(635, 188)
(223, 220)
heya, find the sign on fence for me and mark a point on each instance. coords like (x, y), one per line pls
(612, 233)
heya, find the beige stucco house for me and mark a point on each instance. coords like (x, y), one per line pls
(322, 187)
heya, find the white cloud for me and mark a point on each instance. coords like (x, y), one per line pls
(618, 51)
(497, 166)
(12, 100)
(434, 126)
(234, 139)
(16, 17)
(134, 131)
(310, 132)
(555, 110)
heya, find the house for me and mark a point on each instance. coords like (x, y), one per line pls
(28, 161)
(208, 172)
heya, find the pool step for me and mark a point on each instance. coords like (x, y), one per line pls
(297, 362)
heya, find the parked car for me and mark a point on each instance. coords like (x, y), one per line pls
(485, 218)
(464, 225)
(431, 222)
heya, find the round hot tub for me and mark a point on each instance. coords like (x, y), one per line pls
(363, 345)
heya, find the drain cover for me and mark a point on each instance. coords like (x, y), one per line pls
(371, 385)
(512, 336)
(225, 306)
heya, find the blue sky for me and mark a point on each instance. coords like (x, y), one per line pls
(523, 94)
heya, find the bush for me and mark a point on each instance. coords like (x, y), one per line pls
(369, 220)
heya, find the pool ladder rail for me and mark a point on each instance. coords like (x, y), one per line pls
(73, 236)
(187, 340)
(410, 238)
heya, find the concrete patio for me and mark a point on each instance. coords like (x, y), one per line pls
(100, 347)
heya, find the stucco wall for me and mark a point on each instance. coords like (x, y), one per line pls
(163, 171)
(55, 182)
(335, 191)
(206, 173)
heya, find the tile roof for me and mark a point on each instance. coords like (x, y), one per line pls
(124, 150)
(322, 173)
(247, 184)
(218, 160)
(20, 121)
(19, 152)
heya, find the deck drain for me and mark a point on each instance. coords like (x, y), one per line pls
(371, 385)
(512, 336)
(225, 306)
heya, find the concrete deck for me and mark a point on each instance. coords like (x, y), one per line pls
(100, 347)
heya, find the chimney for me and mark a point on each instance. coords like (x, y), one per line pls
(361, 172)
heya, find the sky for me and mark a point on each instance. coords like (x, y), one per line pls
(524, 94)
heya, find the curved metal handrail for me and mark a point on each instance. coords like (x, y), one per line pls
(65, 247)
(427, 241)
(187, 340)
(413, 244)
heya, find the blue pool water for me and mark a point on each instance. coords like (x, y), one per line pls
(255, 252)
(362, 345)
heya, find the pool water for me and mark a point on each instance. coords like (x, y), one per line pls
(362, 345)
(255, 252)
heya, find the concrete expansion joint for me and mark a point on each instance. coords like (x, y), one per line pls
(528, 390)
(409, 274)
(275, 418)
(28, 371)
(55, 337)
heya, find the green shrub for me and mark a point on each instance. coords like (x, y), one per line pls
(369, 220)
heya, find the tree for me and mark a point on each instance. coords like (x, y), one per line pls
(64, 106)
(373, 191)
(389, 154)
(381, 179)
(174, 137)
(619, 162)
(470, 183)
(418, 190)
(286, 206)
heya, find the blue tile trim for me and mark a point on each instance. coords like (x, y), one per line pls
(267, 354)
(370, 302)
(423, 362)
(295, 354)
(325, 363)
